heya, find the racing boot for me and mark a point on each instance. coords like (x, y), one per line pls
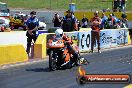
(76, 58)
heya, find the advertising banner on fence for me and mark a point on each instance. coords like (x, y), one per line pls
(74, 36)
(108, 38)
(112, 38)
(122, 36)
(85, 40)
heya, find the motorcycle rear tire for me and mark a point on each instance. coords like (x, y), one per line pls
(69, 65)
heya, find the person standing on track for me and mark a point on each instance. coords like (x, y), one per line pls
(95, 33)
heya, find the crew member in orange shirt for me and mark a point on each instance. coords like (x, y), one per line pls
(95, 33)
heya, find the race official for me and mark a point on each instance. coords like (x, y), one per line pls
(32, 26)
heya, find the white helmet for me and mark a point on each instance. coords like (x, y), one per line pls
(59, 32)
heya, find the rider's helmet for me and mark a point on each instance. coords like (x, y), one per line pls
(59, 32)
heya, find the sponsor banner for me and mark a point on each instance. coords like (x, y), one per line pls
(113, 38)
(74, 36)
(85, 40)
(108, 38)
(122, 37)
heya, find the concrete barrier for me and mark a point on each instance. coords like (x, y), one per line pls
(40, 46)
(13, 37)
(12, 54)
(129, 39)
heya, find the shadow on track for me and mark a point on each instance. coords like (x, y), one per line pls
(39, 69)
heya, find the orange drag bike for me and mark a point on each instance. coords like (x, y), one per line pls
(60, 56)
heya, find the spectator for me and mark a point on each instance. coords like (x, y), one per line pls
(56, 20)
(119, 5)
(32, 26)
(117, 20)
(110, 22)
(78, 25)
(103, 21)
(115, 5)
(123, 5)
(25, 20)
(118, 24)
(95, 33)
(84, 22)
(68, 22)
(124, 21)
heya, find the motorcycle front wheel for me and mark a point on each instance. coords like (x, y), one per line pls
(52, 62)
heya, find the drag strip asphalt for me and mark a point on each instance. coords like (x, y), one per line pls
(37, 75)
